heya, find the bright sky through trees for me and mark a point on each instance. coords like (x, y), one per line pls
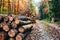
(36, 2)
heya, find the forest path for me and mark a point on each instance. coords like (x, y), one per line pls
(39, 32)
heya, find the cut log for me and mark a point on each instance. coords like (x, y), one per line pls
(17, 21)
(1, 25)
(25, 28)
(5, 18)
(10, 18)
(21, 29)
(6, 27)
(24, 18)
(4, 23)
(11, 15)
(9, 22)
(12, 33)
(2, 36)
(13, 25)
(26, 22)
(19, 36)
(28, 26)
(1, 18)
(11, 39)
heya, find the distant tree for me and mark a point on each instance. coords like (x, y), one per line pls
(32, 8)
(44, 10)
(56, 8)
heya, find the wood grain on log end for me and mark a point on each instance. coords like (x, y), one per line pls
(21, 29)
(19, 36)
(2, 36)
(17, 21)
(6, 28)
(12, 33)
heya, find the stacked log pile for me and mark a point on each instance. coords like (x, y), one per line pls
(15, 27)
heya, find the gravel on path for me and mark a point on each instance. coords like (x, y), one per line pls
(39, 32)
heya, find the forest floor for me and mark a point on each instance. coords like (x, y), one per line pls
(44, 31)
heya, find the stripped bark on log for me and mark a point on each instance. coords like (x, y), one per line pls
(26, 22)
(24, 18)
(27, 26)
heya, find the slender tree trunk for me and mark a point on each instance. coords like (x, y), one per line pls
(13, 6)
(8, 6)
(1, 5)
(18, 6)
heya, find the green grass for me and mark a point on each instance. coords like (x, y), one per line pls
(58, 22)
(47, 26)
(47, 20)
